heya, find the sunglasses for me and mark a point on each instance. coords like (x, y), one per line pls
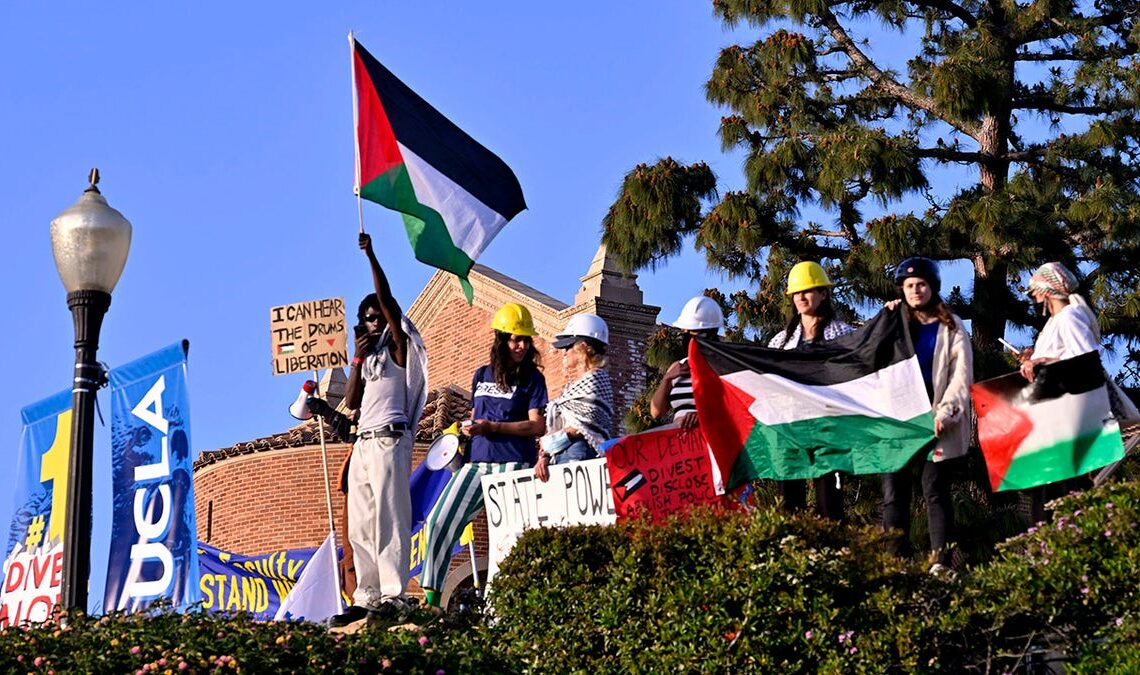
(372, 318)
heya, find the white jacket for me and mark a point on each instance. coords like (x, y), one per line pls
(953, 373)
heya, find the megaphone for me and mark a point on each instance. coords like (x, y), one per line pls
(444, 451)
(300, 407)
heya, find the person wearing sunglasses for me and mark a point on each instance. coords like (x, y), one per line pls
(509, 397)
(388, 385)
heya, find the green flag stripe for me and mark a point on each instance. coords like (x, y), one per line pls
(1062, 460)
(425, 227)
(867, 445)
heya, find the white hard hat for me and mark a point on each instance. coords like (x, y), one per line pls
(700, 313)
(583, 326)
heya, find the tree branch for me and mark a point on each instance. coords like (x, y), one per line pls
(952, 155)
(954, 10)
(884, 81)
(1045, 103)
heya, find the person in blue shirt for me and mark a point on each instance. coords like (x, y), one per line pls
(509, 396)
(946, 360)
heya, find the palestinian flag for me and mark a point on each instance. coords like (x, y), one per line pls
(855, 404)
(454, 194)
(1057, 427)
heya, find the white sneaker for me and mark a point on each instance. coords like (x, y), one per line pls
(941, 571)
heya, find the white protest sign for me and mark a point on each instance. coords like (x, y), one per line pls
(577, 493)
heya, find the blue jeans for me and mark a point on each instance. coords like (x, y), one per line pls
(575, 452)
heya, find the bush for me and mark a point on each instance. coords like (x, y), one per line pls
(761, 592)
(713, 591)
(166, 642)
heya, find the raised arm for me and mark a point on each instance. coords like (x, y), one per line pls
(388, 305)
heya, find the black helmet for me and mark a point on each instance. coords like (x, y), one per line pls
(923, 268)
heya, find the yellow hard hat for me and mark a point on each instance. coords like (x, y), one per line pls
(806, 276)
(515, 319)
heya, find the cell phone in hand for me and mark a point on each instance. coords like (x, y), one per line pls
(359, 330)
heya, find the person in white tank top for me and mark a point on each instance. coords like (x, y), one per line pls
(387, 384)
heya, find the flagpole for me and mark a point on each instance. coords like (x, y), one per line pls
(328, 488)
(355, 129)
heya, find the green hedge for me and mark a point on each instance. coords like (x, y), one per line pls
(718, 592)
(711, 592)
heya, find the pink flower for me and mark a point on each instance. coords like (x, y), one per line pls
(439, 672)
(1120, 621)
(853, 650)
(1084, 591)
(1108, 533)
(182, 665)
(386, 664)
(808, 634)
(1108, 505)
(423, 640)
(38, 662)
(135, 649)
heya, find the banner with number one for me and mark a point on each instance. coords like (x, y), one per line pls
(33, 560)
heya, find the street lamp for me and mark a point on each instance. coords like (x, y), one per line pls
(90, 241)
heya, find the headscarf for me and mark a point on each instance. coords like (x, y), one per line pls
(1056, 281)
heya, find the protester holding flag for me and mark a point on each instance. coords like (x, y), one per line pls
(388, 384)
(1072, 330)
(700, 317)
(946, 360)
(509, 399)
(812, 320)
(580, 419)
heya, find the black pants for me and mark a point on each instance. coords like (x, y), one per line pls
(828, 496)
(897, 489)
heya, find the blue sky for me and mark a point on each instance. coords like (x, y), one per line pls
(223, 132)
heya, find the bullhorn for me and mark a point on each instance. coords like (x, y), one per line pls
(300, 407)
(444, 451)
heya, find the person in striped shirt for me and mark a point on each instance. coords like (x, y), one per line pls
(700, 317)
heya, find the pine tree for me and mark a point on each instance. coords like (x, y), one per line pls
(1001, 133)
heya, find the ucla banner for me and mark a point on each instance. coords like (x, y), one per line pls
(154, 551)
(33, 556)
(249, 583)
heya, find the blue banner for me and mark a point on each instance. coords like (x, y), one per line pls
(426, 487)
(249, 583)
(154, 551)
(33, 555)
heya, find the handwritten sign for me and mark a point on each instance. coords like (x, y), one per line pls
(308, 336)
(577, 493)
(661, 472)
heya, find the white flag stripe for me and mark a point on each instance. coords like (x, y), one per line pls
(896, 392)
(1066, 418)
(472, 223)
(316, 595)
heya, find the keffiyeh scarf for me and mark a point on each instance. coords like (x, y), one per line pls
(586, 404)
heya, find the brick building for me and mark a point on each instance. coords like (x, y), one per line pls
(269, 494)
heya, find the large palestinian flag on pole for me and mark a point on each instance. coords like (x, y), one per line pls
(1057, 427)
(856, 404)
(455, 195)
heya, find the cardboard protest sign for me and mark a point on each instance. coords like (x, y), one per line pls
(577, 493)
(661, 472)
(308, 336)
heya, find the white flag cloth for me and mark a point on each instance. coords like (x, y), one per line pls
(316, 596)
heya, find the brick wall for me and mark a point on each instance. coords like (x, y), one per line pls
(267, 501)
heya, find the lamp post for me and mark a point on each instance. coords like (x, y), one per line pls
(90, 241)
